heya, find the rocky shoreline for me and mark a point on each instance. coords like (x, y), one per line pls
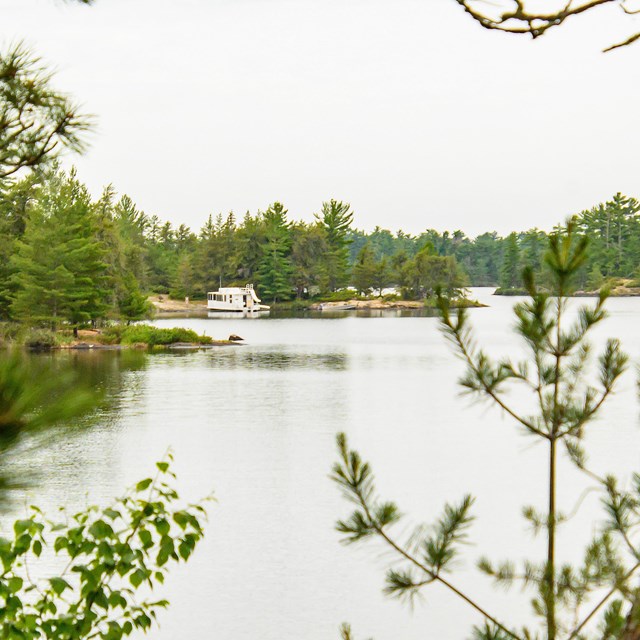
(618, 291)
(388, 304)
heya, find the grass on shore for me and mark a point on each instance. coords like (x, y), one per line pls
(151, 336)
(13, 333)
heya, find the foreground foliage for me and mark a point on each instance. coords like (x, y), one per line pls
(107, 557)
(106, 561)
(36, 122)
(597, 599)
(34, 397)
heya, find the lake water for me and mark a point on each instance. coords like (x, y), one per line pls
(256, 424)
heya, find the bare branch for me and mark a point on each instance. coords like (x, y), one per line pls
(512, 16)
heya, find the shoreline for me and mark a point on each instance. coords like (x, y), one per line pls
(616, 292)
(166, 307)
(139, 346)
(378, 304)
(114, 338)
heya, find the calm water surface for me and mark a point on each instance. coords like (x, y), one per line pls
(256, 424)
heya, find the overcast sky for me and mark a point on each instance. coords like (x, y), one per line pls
(407, 109)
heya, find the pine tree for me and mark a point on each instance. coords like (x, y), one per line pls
(275, 267)
(364, 270)
(510, 269)
(132, 226)
(218, 252)
(60, 269)
(133, 305)
(184, 282)
(15, 199)
(336, 218)
(248, 246)
(381, 275)
(308, 251)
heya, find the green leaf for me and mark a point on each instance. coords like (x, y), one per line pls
(144, 484)
(20, 526)
(60, 543)
(180, 518)
(37, 547)
(162, 526)
(137, 577)
(112, 513)
(100, 529)
(14, 584)
(101, 600)
(185, 549)
(59, 585)
(145, 538)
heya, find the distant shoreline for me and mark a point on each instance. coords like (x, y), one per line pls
(392, 304)
(166, 307)
(619, 289)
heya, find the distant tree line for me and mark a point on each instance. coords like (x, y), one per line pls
(612, 228)
(66, 258)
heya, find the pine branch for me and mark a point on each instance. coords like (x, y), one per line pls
(355, 479)
(482, 376)
(575, 633)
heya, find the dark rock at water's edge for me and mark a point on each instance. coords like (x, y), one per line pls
(234, 338)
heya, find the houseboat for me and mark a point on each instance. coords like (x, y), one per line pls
(238, 299)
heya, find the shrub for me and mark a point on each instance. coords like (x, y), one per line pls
(144, 333)
(40, 339)
(108, 555)
(9, 332)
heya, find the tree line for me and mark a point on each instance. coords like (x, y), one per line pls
(66, 257)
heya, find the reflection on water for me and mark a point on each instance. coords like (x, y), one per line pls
(257, 424)
(276, 359)
(278, 313)
(249, 315)
(355, 313)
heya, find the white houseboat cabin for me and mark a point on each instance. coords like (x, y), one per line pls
(234, 299)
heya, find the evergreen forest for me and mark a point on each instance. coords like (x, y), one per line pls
(68, 258)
